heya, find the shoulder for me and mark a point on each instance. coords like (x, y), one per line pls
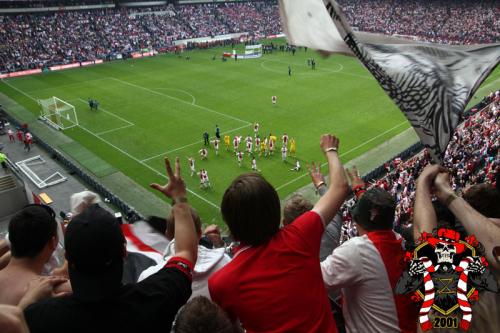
(46, 311)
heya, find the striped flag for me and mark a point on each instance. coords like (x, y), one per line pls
(431, 84)
(145, 249)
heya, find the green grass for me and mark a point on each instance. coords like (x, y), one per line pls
(160, 106)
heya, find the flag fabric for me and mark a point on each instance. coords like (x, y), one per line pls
(145, 248)
(431, 84)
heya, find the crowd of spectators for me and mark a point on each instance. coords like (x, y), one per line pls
(472, 158)
(44, 39)
(37, 40)
(446, 22)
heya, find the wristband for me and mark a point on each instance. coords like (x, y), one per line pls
(331, 149)
(320, 184)
(450, 198)
(178, 200)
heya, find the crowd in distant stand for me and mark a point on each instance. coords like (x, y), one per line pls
(447, 22)
(472, 158)
(38, 40)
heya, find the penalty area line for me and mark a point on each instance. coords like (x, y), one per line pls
(122, 151)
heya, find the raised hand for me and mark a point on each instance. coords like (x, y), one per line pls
(175, 187)
(315, 172)
(328, 141)
(442, 188)
(429, 174)
(354, 177)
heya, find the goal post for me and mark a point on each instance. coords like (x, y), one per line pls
(58, 113)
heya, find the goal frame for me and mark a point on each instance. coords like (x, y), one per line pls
(58, 113)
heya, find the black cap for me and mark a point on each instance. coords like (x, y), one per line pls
(375, 210)
(94, 248)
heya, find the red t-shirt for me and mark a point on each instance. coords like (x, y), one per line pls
(278, 287)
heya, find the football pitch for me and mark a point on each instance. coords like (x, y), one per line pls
(158, 107)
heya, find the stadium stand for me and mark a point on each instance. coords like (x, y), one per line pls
(472, 157)
(447, 22)
(54, 38)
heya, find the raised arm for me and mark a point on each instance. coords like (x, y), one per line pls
(328, 205)
(186, 240)
(485, 229)
(425, 219)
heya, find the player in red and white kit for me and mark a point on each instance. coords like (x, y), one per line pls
(257, 142)
(256, 129)
(191, 166)
(283, 153)
(254, 165)
(216, 146)
(239, 156)
(271, 147)
(249, 144)
(202, 178)
(236, 143)
(285, 139)
(203, 153)
(10, 132)
(297, 166)
(206, 181)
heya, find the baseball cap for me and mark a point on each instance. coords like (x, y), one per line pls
(375, 210)
(94, 249)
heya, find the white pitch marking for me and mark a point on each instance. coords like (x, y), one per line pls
(339, 71)
(110, 113)
(188, 145)
(114, 129)
(193, 99)
(345, 153)
(180, 100)
(145, 165)
(19, 90)
(125, 153)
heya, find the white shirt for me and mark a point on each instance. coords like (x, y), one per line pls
(356, 268)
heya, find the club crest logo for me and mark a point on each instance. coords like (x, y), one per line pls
(445, 273)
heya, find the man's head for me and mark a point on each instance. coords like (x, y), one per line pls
(251, 209)
(200, 315)
(294, 207)
(375, 210)
(95, 247)
(33, 232)
(170, 231)
(485, 199)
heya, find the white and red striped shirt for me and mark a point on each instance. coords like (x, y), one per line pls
(366, 269)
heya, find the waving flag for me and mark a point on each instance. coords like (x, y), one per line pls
(431, 84)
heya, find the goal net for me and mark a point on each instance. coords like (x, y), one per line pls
(58, 113)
